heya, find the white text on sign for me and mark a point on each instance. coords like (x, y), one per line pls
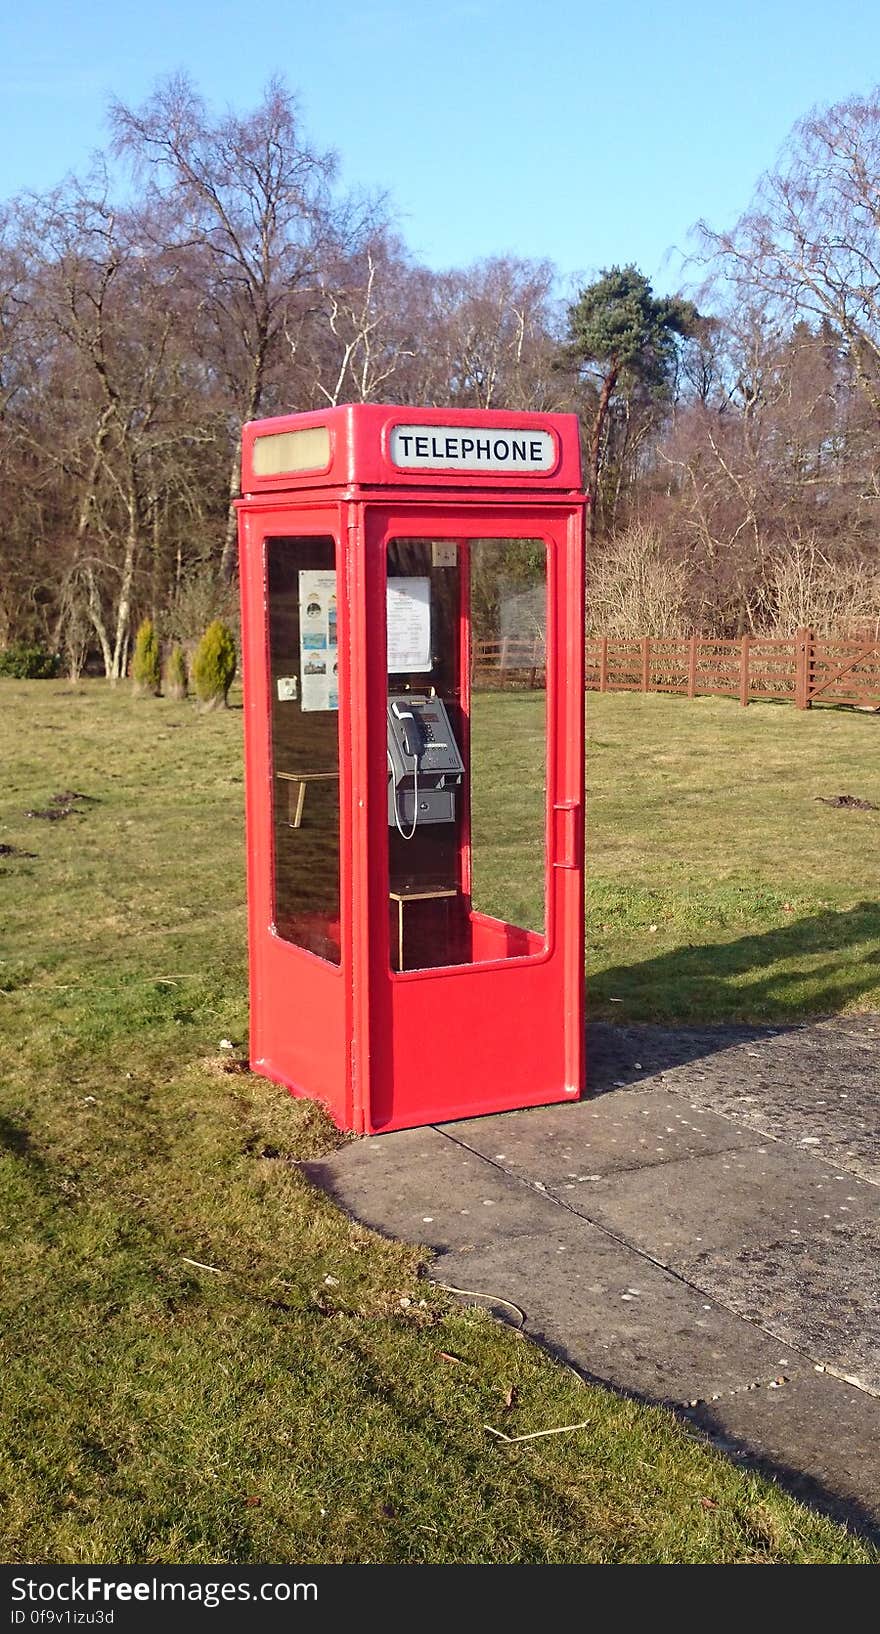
(469, 448)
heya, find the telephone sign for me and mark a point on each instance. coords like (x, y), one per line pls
(472, 448)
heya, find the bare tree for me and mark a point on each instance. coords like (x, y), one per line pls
(635, 587)
(488, 337)
(118, 393)
(811, 240)
(354, 338)
(257, 220)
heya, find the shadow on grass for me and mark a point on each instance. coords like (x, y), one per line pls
(706, 1422)
(816, 966)
(15, 1138)
(754, 987)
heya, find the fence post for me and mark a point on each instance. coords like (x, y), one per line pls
(646, 663)
(603, 665)
(803, 666)
(692, 665)
(744, 672)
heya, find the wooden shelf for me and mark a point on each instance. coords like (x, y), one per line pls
(402, 897)
(297, 795)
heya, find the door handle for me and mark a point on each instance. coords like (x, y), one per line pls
(567, 836)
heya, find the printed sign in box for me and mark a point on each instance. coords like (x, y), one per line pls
(317, 640)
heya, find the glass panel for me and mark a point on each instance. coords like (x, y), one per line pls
(425, 757)
(508, 785)
(303, 679)
(466, 750)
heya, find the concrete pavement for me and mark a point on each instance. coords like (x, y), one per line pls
(701, 1231)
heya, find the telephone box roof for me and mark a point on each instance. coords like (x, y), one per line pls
(378, 445)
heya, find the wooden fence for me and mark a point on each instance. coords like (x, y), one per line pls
(500, 663)
(802, 669)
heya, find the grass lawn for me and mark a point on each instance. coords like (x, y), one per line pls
(719, 886)
(311, 1399)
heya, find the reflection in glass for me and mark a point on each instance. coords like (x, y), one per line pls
(303, 683)
(467, 750)
(508, 717)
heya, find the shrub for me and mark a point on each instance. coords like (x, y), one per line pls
(199, 600)
(146, 671)
(176, 679)
(213, 666)
(635, 587)
(28, 661)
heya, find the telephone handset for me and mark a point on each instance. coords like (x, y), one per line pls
(424, 764)
(412, 736)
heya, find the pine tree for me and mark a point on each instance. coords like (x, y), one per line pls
(622, 338)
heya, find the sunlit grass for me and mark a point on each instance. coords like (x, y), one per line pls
(300, 1395)
(719, 885)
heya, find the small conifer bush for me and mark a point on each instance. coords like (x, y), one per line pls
(176, 679)
(146, 667)
(213, 666)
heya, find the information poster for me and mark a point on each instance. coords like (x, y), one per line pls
(409, 626)
(318, 650)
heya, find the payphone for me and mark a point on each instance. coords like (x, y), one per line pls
(424, 764)
(421, 570)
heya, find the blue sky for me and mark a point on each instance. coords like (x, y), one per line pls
(589, 133)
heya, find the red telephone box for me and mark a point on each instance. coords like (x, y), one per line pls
(412, 632)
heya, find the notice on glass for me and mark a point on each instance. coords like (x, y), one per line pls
(409, 625)
(318, 651)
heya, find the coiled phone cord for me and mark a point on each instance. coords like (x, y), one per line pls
(415, 822)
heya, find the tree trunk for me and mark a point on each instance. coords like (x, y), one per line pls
(123, 606)
(97, 617)
(84, 517)
(230, 539)
(595, 451)
(156, 548)
(252, 409)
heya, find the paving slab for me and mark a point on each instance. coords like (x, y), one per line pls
(818, 1435)
(568, 1147)
(591, 1298)
(821, 1294)
(700, 1229)
(425, 1188)
(758, 1193)
(813, 1085)
(617, 1318)
(787, 1242)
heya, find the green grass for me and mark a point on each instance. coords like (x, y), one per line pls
(297, 1403)
(719, 887)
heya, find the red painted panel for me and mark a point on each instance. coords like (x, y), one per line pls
(492, 939)
(386, 1051)
(479, 1038)
(469, 1041)
(359, 449)
(300, 1014)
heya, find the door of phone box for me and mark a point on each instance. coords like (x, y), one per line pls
(412, 635)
